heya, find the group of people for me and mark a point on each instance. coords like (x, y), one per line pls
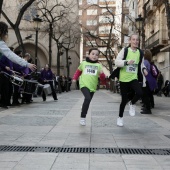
(63, 83)
(16, 73)
(135, 78)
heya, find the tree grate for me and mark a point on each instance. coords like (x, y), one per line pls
(137, 151)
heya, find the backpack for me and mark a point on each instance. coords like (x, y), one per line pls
(154, 70)
(115, 73)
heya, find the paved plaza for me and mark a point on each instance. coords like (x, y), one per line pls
(43, 128)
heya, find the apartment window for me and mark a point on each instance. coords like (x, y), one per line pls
(92, 12)
(80, 12)
(104, 10)
(91, 43)
(105, 19)
(107, 0)
(93, 32)
(92, 1)
(91, 22)
(80, 2)
(104, 30)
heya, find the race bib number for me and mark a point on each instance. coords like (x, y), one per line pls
(131, 68)
(91, 70)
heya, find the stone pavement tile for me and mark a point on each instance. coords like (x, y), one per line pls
(24, 120)
(28, 139)
(11, 156)
(105, 140)
(163, 161)
(72, 129)
(8, 165)
(154, 141)
(140, 162)
(76, 161)
(109, 165)
(78, 140)
(36, 161)
(162, 122)
(124, 136)
(6, 138)
(72, 158)
(53, 139)
(115, 131)
(143, 167)
(28, 129)
(105, 158)
(128, 143)
(70, 166)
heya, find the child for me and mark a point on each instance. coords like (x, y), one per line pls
(89, 71)
(131, 76)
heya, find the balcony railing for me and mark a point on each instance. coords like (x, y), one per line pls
(159, 38)
(157, 2)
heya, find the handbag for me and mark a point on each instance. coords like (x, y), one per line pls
(115, 73)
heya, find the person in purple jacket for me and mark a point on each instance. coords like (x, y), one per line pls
(47, 78)
(6, 86)
(151, 85)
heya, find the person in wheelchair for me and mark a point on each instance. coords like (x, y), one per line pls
(47, 78)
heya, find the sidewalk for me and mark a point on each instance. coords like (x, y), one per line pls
(43, 126)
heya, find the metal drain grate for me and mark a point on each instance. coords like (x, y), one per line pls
(138, 151)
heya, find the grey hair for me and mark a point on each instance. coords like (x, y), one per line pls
(27, 54)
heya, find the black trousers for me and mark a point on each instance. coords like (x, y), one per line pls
(87, 99)
(52, 89)
(148, 98)
(16, 94)
(124, 88)
(6, 90)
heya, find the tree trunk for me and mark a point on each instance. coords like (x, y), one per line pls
(67, 66)
(58, 61)
(1, 2)
(17, 23)
(50, 41)
(19, 39)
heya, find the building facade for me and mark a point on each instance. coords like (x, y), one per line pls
(99, 28)
(12, 8)
(156, 33)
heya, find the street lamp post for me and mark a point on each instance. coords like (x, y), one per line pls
(69, 63)
(139, 24)
(37, 22)
(60, 52)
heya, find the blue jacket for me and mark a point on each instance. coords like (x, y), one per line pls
(4, 61)
(46, 74)
(150, 79)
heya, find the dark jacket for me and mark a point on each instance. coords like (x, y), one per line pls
(46, 74)
(4, 61)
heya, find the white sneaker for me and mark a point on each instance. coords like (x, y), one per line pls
(83, 121)
(131, 109)
(120, 121)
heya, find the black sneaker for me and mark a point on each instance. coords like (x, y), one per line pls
(146, 111)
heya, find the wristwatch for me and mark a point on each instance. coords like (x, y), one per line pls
(126, 63)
